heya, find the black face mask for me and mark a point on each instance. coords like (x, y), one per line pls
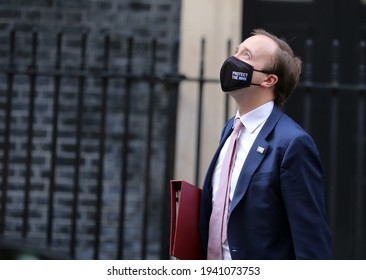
(236, 74)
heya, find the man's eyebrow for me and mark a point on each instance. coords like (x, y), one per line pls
(248, 50)
(244, 48)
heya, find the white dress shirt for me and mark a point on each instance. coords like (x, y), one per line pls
(253, 123)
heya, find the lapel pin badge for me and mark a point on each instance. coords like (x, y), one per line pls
(260, 150)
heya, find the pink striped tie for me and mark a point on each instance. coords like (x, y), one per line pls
(220, 207)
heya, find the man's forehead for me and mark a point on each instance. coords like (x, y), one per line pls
(259, 43)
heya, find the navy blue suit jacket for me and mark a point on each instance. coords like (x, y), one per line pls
(277, 211)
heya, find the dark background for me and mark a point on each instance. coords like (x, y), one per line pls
(329, 35)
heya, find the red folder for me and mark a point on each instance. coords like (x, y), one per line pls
(185, 242)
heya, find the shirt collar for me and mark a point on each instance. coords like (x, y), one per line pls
(253, 119)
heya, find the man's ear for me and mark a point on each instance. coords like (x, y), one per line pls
(270, 81)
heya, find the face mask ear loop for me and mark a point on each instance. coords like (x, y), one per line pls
(263, 71)
(258, 85)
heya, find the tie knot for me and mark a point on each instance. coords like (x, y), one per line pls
(238, 125)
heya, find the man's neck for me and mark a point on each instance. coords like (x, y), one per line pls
(249, 101)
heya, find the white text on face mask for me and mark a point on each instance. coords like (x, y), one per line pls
(240, 76)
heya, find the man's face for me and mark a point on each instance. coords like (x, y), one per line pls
(257, 50)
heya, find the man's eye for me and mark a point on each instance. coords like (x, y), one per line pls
(246, 55)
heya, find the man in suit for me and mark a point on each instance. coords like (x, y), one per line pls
(275, 196)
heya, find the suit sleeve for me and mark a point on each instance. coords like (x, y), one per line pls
(301, 181)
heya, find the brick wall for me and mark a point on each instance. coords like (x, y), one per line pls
(142, 20)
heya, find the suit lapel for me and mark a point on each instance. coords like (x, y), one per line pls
(255, 157)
